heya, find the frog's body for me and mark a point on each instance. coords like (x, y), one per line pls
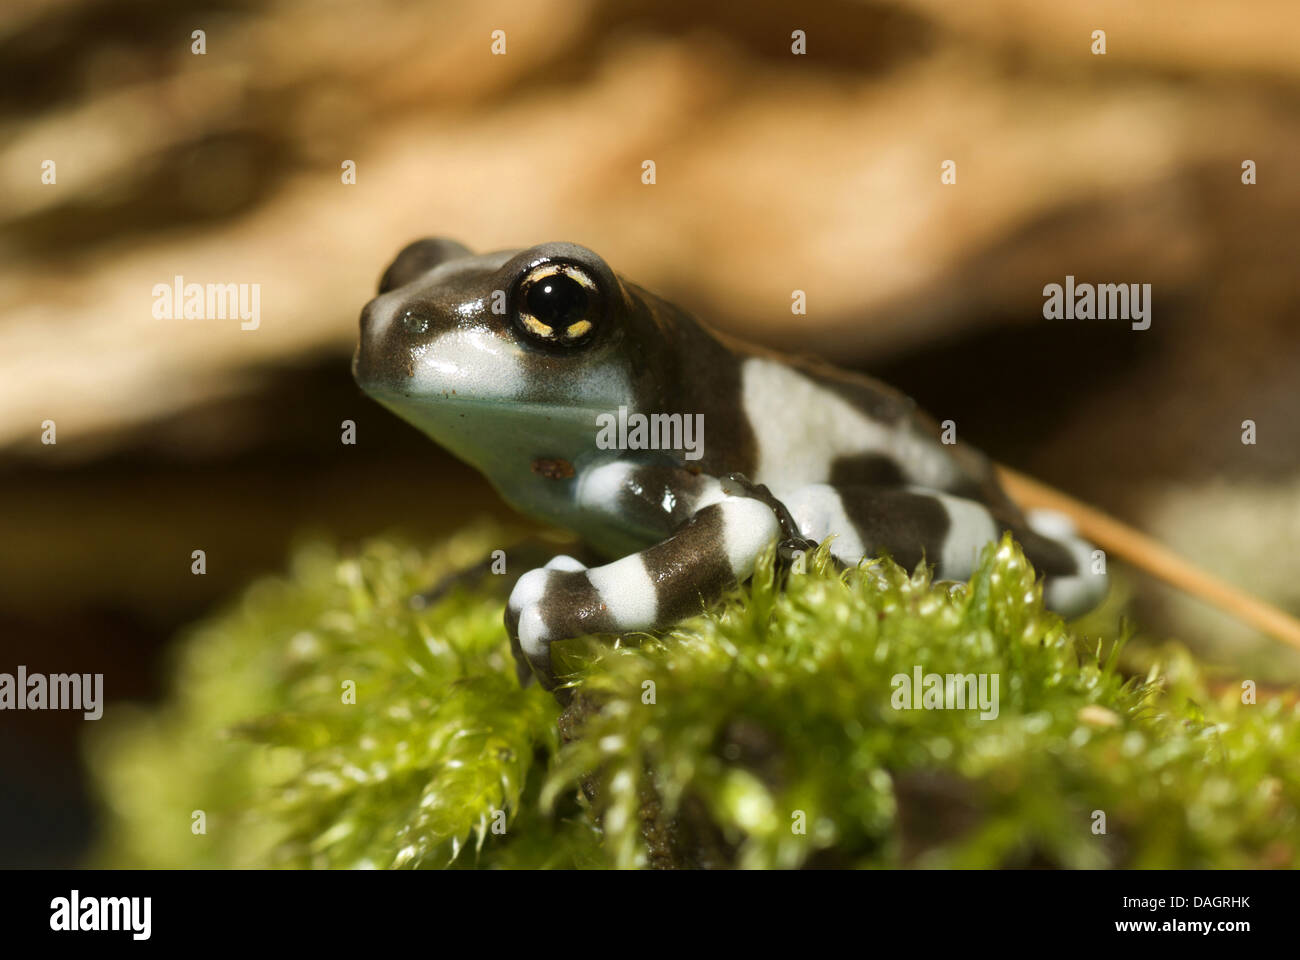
(515, 361)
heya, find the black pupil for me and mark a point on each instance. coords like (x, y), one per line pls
(557, 301)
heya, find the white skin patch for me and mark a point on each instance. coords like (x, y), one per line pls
(627, 591)
(473, 363)
(802, 428)
(749, 527)
(532, 632)
(970, 527)
(600, 487)
(1050, 523)
(479, 365)
(524, 601)
(528, 589)
(819, 513)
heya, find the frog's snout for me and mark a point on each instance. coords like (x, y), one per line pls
(363, 357)
(367, 319)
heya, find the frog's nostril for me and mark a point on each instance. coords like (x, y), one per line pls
(365, 319)
(415, 322)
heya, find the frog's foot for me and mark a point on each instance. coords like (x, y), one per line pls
(525, 622)
(650, 590)
(792, 542)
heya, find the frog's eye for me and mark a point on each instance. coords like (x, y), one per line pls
(558, 303)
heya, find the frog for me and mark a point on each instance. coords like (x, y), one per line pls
(518, 362)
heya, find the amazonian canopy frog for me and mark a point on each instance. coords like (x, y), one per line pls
(522, 362)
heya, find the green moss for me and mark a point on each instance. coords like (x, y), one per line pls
(712, 745)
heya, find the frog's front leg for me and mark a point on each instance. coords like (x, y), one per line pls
(714, 550)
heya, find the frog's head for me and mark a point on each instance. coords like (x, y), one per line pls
(504, 358)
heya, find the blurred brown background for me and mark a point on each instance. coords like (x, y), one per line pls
(775, 172)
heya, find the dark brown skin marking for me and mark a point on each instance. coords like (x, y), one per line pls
(866, 470)
(687, 368)
(694, 555)
(1049, 558)
(556, 469)
(571, 606)
(642, 498)
(911, 526)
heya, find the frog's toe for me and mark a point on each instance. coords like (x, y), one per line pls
(566, 599)
(535, 645)
(530, 634)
